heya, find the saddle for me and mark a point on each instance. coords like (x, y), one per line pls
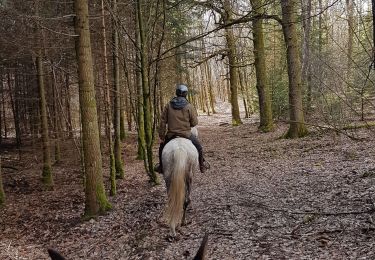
(174, 137)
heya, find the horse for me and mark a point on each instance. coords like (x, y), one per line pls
(180, 159)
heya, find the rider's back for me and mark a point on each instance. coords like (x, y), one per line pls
(180, 116)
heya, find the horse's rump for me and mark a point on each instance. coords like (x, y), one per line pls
(180, 158)
(178, 147)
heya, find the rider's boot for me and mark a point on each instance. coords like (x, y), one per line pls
(159, 167)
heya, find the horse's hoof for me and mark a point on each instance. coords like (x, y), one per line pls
(185, 223)
(171, 238)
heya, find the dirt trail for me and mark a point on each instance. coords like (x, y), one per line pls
(264, 198)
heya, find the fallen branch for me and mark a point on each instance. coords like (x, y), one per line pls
(9, 167)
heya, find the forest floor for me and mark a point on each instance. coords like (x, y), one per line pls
(263, 198)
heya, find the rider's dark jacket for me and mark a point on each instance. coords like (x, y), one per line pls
(180, 116)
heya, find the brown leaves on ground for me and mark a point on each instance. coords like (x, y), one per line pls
(263, 198)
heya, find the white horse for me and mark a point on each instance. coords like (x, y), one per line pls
(180, 159)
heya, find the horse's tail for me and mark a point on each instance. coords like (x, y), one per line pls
(176, 193)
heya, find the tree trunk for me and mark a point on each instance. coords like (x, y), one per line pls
(98, 95)
(373, 31)
(96, 200)
(129, 104)
(68, 110)
(203, 85)
(1, 108)
(210, 88)
(297, 126)
(306, 67)
(320, 26)
(56, 117)
(16, 111)
(265, 105)
(122, 118)
(158, 93)
(247, 90)
(194, 95)
(232, 59)
(108, 109)
(3, 111)
(243, 94)
(233, 77)
(47, 170)
(22, 101)
(14, 106)
(350, 10)
(208, 77)
(128, 109)
(2, 193)
(116, 79)
(178, 60)
(141, 155)
(34, 120)
(146, 96)
(228, 90)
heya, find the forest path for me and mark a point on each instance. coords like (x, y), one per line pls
(263, 198)
(272, 198)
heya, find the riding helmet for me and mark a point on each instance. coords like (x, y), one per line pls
(181, 90)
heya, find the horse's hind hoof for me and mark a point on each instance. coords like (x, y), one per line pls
(185, 223)
(171, 238)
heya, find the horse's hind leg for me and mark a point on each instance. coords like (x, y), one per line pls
(187, 200)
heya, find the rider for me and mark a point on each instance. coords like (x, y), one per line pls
(180, 116)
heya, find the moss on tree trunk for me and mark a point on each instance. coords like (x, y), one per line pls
(47, 169)
(146, 97)
(265, 105)
(140, 112)
(232, 58)
(95, 198)
(116, 77)
(297, 126)
(112, 163)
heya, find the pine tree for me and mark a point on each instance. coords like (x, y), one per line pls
(297, 126)
(96, 201)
